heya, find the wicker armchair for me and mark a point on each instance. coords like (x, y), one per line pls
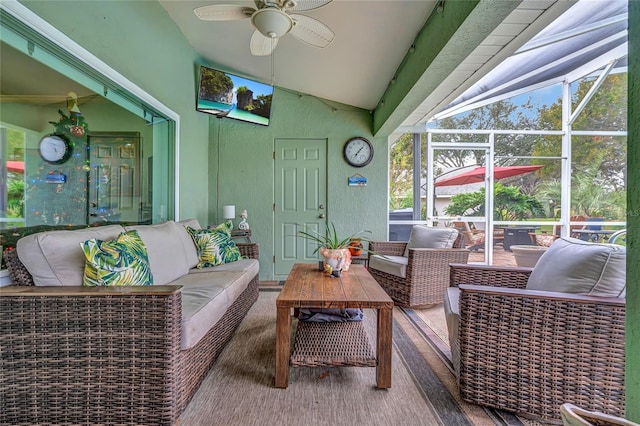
(531, 351)
(427, 272)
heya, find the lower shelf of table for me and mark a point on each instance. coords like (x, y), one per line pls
(332, 344)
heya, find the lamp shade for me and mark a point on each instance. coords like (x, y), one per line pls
(229, 212)
(271, 22)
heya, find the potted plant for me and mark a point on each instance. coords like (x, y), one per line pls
(333, 248)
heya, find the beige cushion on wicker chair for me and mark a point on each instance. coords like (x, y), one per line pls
(574, 266)
(394, 265)
(428, 237)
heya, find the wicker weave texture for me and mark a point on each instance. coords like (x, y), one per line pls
(494, 276)
(427, 276)
(332, 344)
(83, 360)
(530, 354)
(103, 359)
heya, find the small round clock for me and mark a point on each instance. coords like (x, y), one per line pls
(358, 152)
(55, 149)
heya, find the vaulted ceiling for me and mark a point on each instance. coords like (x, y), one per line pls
(402, 59)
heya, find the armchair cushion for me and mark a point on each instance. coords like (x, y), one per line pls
(394, 265)
(427, 237)
(574, 266)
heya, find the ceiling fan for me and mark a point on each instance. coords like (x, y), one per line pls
(272, 20)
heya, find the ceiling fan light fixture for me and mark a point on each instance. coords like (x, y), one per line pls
(272, 22)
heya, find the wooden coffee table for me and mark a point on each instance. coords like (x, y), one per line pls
(307, 287)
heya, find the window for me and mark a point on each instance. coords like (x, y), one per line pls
(122, 142)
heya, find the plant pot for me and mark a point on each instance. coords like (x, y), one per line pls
(338, 259)
(527, 256)
(355, 247)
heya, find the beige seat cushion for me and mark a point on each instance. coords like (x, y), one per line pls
(394, 265)
(452, 316)
(428, 237)
(171, 250)
(249, 266)
(55, 258)
(205, 298)
(571, 265)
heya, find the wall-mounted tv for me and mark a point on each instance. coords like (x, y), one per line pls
(226, 95)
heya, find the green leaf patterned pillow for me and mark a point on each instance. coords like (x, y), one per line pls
(215, 246)
(123, 261)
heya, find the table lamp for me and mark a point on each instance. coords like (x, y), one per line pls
(229, 213)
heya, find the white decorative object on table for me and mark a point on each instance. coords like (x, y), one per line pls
(243, 225)
(229, 213)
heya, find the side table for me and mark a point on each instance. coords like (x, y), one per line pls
(241, 233)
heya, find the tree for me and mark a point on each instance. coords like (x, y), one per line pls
(401, 173)
(607, 110)
(589, 194)
(509, 204)
(504, 114)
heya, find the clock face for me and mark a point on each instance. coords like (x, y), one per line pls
(55, 149)
(358, 152)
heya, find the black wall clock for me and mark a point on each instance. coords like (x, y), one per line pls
(55, 149)
(358, 152)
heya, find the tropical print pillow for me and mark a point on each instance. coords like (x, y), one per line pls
(123, 261)
(215, 246)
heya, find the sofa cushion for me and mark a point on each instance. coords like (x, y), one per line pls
(205, 298)
(215, 246)
(192, 252)
(123, 261)
(191, 223)
(428, 237)
(571, 265)
(167, 244)
(394, 265)
(249, 266)
(55, 258)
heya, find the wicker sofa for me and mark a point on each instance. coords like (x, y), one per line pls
(519, 348)
(115, 355)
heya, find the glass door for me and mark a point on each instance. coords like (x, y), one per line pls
(460, 187)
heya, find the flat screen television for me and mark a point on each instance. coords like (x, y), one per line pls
(227, 95)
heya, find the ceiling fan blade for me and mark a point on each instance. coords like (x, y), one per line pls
(302, 5)
(223, 12)
(311, 31)
(261, 45)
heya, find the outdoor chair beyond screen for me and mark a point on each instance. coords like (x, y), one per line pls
(416, 277)
(474, 238)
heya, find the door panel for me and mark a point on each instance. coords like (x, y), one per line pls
(114, 177)
(300, 182)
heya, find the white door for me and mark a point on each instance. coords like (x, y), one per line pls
(114, 177)
(300, 199)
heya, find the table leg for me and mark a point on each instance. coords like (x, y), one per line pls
(384, 337)
(283, 346)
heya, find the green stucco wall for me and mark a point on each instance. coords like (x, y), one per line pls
(138, 39)
(633, 220)
(246, 167)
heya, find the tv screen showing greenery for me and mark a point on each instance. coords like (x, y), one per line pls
(227, 95)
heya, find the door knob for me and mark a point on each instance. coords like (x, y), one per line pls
(321, 206)
(321, 216)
